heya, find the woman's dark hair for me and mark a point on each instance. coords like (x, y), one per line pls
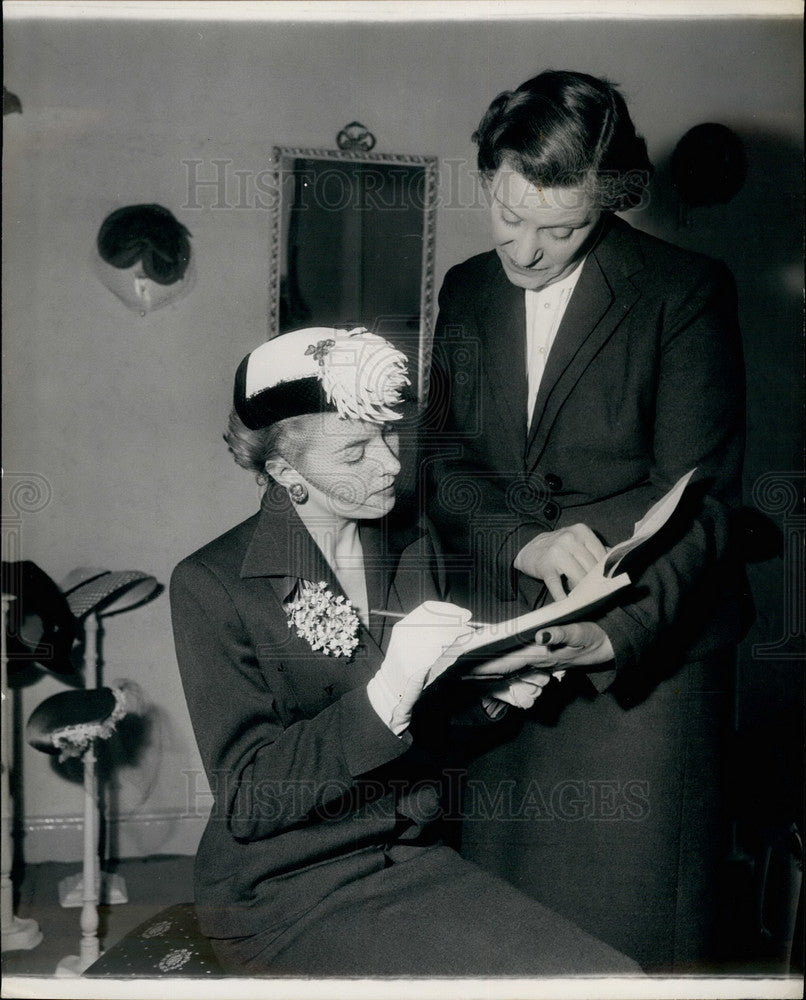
(252, 449)
(147, 233)
(562, 129)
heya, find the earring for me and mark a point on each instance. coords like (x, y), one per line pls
(298, 492)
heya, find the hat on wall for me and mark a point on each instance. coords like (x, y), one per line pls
(40, 625)
(149, 235)
(354, 373)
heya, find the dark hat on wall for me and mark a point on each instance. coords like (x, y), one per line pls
(41, 627)
(354, 373)
(149, 234)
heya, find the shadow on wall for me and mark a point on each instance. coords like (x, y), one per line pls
(759, 235)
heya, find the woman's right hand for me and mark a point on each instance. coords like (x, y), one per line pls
(423, 645)
(565, 553)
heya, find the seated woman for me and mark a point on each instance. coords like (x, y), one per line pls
(325, 744)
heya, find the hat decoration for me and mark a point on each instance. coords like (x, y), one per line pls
(68, 722)
(355, 373)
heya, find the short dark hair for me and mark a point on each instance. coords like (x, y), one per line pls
(561, 129)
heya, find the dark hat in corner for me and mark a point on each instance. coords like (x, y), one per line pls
(40, 625)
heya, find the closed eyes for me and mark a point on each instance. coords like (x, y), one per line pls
(557, 232)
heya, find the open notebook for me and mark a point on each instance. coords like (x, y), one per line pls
(596, 588)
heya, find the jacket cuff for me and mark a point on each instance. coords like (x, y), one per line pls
(366, 742)
(628, 638)
(620, 629)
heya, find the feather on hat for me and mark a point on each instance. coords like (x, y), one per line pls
(355, 373)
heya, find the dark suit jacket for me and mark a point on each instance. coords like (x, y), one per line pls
(310, 786)
(644, 382)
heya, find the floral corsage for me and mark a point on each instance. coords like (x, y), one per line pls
(329, 623)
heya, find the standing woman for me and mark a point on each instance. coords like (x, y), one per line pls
(325, 744)
(580, 368)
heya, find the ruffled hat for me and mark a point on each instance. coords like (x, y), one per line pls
(68, 722)
(354, 373)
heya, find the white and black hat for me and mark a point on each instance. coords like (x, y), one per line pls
(354, 373)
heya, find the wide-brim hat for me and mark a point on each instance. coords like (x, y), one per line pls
(354, 373)
(68, 722)
(89, 590)
(41, 628)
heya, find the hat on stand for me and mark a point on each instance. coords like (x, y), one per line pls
(88, 590)
(68, 722)
(41, 626)
(44, 619)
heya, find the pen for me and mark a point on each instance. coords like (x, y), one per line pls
(398, 614)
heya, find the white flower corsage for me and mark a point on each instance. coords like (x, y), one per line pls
(329, 623)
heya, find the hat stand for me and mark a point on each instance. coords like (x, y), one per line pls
(107, 888)
(70, 724)
(17, 934)
(90, 948)
(114, 594)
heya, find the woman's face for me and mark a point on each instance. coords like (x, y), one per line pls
(540, 233)
(349, 466)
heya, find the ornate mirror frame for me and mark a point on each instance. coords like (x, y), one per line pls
(282, 158)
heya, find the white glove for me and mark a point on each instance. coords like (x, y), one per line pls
(523, 690)
(423, 645)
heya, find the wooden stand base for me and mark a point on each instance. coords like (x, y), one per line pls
(112, 890)
(21, 935)
(70, 967)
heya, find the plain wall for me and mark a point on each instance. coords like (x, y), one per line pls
(112, 432)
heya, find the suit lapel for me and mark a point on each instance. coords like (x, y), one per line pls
(283, 551)
(503, 333)
(378, 570)
(602, 297)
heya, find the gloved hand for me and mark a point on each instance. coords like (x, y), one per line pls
(523, 690)
(423, 645)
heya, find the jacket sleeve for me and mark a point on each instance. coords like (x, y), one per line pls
(259, 769)
(699, 422)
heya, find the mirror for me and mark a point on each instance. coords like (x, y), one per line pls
(352, 244)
